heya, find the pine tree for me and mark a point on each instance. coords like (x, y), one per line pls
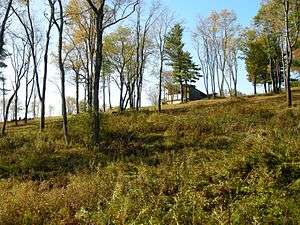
(184, 69)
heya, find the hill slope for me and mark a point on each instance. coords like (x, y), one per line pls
(211, 162)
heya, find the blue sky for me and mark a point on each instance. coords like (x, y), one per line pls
(189, 10)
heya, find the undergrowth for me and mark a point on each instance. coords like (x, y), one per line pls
(236, 162)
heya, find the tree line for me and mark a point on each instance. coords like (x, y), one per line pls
(270, 47)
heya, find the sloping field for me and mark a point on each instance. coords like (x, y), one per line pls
(226, 161)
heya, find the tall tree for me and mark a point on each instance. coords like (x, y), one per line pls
(34, 40)
(106, 16)
(162, 25)
(29, 89)
(119, 50)
(270, 25)
(256, 58)
(292, 29)
(143, 43)
(216, 40)
(184, 69)
(59, 23)
(20, 62)
(81, 32)
(280, 21)
(4, 25)
(205, 39)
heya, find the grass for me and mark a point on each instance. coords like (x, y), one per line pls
(227, 161)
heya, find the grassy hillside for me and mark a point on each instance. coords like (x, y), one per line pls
(232, 161)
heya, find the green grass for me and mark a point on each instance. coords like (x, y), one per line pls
(227, 161)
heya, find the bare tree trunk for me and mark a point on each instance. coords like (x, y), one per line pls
(43, 97)
(77, 93)
(28, 95)
(181, 91)
(6, 114)
(138, 55)
(103, 92)
(289, 55)
(26, 99)
(3, 97)
(278, 76)
(265, 87)
(160, 81)
(254, 85)
(16, 109)
(60, 27)
(90, 91)
(109, 92)
(289, 45)
(2, 34)
(34, 106)
(121, 92)
(18, 82)
(3, 26)
(288, 87)
(98, 66)
(141, 51)
(186, 92)
(272, 76)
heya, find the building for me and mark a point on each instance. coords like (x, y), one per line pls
(173, 96)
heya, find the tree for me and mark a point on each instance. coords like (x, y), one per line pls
(72, 63)
(153, 96)
(184, 69)
(4, 26)
(162, 25)
(280, 20)
(216, 41)
(170, 85)
(119, 50)
(34, 41)
(81, 33)
(269, 24)
(204, 39)
(292, 29)
(232, 64)
(106, 16)
(20, 61)
(59, 23)
(71, 105)
(3, 54)
(143, 45)
(29, 89)
(256, 58)
(4, 92)
(226, 47)
(107, 70)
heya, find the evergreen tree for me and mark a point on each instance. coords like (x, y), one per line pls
(184, 69)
